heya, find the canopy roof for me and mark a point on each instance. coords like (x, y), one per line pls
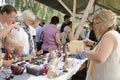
(114, 5)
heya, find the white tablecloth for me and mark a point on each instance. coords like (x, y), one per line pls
(72, 69)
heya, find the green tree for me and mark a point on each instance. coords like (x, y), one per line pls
(42, 11)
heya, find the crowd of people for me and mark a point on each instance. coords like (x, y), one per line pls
(30, 36)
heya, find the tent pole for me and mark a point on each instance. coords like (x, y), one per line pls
(63, 4)
(86, 12)
(73, 19)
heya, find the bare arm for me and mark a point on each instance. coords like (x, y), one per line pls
(57, 37)
(7, 63)
(103, 52)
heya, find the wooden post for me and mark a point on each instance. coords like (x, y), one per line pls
(63, 4)
(89, 6)
(73, 20)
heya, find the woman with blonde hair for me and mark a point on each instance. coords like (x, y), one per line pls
(9, 44)
(105, 57)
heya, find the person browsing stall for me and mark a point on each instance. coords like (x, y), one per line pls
(7, 14)
(51, 36)
(105, 57)
(9, 44)
(25, 35)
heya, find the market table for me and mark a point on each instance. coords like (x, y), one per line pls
(73, 67)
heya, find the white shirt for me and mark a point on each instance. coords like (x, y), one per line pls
(23, 36)
(33, 31)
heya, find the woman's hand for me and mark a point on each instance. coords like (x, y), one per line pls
(88, 42)
(20, 59)
(80, 50)
(40, 52)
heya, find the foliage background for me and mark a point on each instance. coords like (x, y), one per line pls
(42, 11)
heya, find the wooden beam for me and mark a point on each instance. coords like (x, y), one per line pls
(63, 4)
(86, 12)
(73, 19)
(108, 7)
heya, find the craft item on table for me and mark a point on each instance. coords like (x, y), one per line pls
(52, 69)
(65, 65)
(72, 63)
(59, 53)
(73, 45)
(17, 70)
(37, 61)
(36, 66)
(66, 51)
(80, 56)
(45, 70)
(35, 69)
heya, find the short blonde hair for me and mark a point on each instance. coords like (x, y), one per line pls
(107, 17)
(19, 46)
(28, 14)
(10, 39)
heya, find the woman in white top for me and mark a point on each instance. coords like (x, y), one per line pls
(105, 58)
(25, 35)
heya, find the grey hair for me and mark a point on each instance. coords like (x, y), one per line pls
(28, 14)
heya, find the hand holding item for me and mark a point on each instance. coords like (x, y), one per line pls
(73, 45)
(80, 50)
(88, 42)
(20, 59)
(39, 52)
